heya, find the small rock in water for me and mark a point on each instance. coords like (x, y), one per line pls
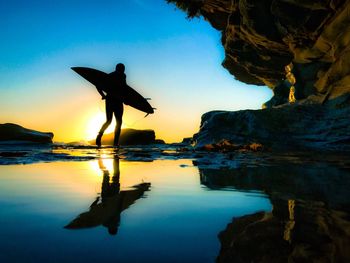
(229, 146)
(13, 154)
(255, 147)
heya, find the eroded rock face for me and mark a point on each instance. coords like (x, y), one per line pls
(261, 37)
(14, 132)
(316, 126)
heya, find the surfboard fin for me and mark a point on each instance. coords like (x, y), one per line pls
(146, 115)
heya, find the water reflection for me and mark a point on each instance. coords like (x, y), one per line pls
(108, 206)
(309, 222)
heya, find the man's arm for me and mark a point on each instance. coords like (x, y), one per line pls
(124, 80)
(101, 92)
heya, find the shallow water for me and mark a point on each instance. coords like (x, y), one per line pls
(90, 211)
(177, 219)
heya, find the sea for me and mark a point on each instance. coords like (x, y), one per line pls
(171, 203)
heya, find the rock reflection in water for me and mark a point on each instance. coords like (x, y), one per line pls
(309, 222)
(107, 207)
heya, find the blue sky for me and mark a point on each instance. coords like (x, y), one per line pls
(173, 60)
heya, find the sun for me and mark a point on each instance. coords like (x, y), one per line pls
(94, 125)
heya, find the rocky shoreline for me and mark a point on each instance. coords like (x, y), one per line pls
(15, 132)
(289, 127)
(218, 156)
(262, 39)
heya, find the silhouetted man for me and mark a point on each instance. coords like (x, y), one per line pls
(114, 103)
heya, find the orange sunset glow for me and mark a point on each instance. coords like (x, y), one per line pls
(166, 63)
(174, 131)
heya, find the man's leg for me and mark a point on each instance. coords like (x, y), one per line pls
(109, 116)
(118, 113)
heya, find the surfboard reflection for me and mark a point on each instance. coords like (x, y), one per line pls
(108, 206)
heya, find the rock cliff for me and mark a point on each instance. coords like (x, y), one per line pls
(261, 38)
(14, 132)
(294, 127)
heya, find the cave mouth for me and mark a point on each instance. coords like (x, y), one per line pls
(263, 38)
(300, 50)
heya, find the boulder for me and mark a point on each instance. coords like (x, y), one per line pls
(130, 137)
(187, 140)
(298, 126)
(14, 132)
(159, 141)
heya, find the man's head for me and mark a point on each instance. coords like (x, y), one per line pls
(120, 68)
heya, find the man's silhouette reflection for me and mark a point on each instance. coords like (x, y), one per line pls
(107, 207)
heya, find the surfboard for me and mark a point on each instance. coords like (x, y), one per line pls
(103, 81)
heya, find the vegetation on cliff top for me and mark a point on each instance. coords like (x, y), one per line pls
(191, 7)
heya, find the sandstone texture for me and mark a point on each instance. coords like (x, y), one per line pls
(260, 38)
(14, 132)
(323, 127)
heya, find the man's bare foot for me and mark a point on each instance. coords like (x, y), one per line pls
(98, 140)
